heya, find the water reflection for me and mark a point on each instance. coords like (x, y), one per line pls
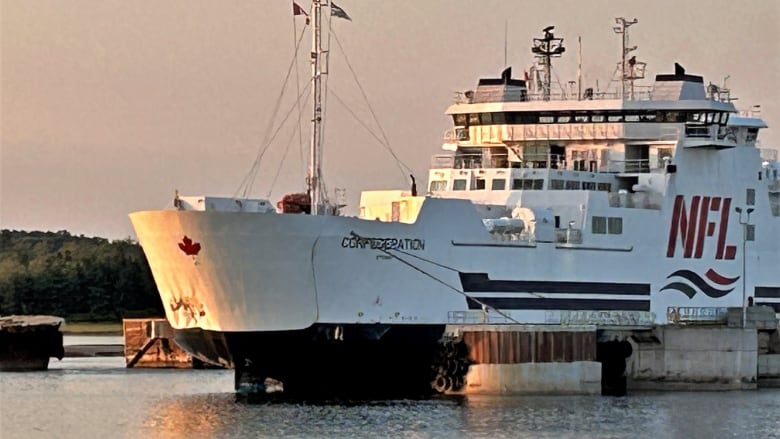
(226, 415)
(190, 416)
(682, 415)
(98, 397)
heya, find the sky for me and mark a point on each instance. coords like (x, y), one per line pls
(109, 106)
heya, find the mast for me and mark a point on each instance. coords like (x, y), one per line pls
(623, 29)
(506, 25)
(545, 49)
(579, 67)
(316, 131)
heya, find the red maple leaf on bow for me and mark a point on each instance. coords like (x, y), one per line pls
(188, 247)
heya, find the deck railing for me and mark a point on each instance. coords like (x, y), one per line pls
(641, 93)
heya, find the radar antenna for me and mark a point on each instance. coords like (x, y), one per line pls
(545, 49)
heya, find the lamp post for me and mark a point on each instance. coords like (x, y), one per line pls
(744, 224)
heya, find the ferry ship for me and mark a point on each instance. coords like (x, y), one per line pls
(541, 206)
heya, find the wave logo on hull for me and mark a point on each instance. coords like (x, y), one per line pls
(189, 247)
(720, 288)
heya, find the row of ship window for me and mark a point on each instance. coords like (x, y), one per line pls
(499, 184)
(545, 117)
(606, 225)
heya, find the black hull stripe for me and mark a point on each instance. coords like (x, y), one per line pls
(774, 305)
(561, 304)
(768, 292)
(480, 282)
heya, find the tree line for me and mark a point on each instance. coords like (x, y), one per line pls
(76, 277)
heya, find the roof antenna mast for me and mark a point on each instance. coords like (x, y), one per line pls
(545, 49)
(579, 67)
(506, 25)
(626, 75)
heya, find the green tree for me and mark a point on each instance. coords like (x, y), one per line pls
(75, 277)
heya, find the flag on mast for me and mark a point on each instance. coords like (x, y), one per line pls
(338, 12)
(297, 10)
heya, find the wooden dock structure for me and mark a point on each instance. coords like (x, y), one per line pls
(149, 343)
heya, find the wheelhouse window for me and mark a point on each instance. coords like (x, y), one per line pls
(598, 225)
(647, 117)
(695, 117)
(498, 184)
(459, 184)
(528, 183)
(594, 116)
(438, 185)
(602, 225)
(479, 184)
(674, 116)
(615, 225)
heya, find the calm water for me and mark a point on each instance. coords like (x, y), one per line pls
(98, 397)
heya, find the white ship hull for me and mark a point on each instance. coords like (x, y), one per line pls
(275, 272)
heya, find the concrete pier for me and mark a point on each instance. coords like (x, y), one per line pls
(769, 370)
(703, 349)
(722, 353)
(694, 358)
(768, 350)
(575, 378)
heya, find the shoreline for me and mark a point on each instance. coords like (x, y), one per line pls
(94, 350)
(92, 328)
